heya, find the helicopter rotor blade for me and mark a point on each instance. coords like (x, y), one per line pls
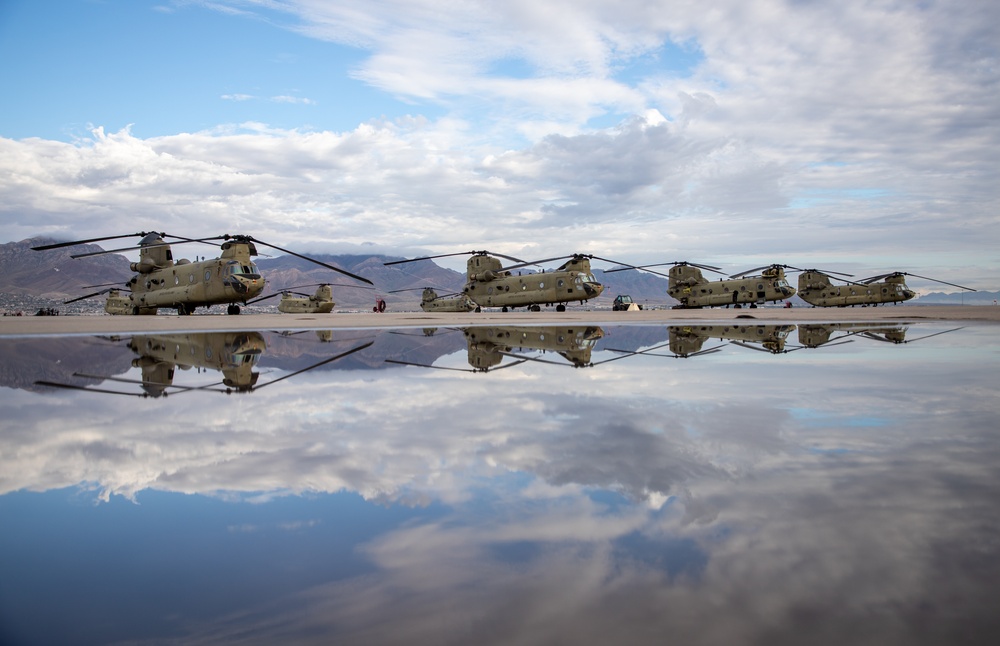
(59, 245)
(263, 298)
(317, 365)
(872, 279)
(457, 253)
(674, 263)
(534, 262)
(427, 365)
(752, 271)
(80, 298)
(827, 271)
(122, 249)
(940, 281)
(298, 255)
(440, 255)
(119, 284)
(752, 347)
(55, 384)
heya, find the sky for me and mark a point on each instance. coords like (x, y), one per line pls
(861, 137)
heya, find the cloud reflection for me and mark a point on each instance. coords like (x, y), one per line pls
(842, 494)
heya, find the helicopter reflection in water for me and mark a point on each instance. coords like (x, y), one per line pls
(234, 354)
(489, 346)
(815, 335)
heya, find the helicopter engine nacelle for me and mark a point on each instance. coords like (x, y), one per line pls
(483, 268)
(323, 293)
(484, 276)
(809, 281)
(686, 276)
(144, 266)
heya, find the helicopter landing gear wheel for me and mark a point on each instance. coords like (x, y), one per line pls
(182, 310)
(233, 310)
(535, 308)
(503, 309)
(560, 308)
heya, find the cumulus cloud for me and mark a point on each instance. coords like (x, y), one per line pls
(860, 133)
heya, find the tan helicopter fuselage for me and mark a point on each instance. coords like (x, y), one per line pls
(184, 285)
(688, 286)
(816, 289)
(319, 303)
(431, 302)
(687, 340)
(117, 303)
(489, 285)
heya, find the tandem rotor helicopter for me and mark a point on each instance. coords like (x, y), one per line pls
(490, 284)
(817, 289)
(160, 281)
(320, 302)
(430, 301)
(692, 290)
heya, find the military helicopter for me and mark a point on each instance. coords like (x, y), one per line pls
(183, 285)
(430, 301)
(116, 303)
(692, 290)
(320, 302)
(490, 284)
(816, 288)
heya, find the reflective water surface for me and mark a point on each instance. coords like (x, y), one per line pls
(773, 484)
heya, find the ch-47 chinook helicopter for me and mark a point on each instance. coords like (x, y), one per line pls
(692, 290)
(320, 302)
(490, 284)
(160, 281)
(430, 301)
(816, 288)
(116, 302)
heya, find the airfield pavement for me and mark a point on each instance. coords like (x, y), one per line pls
(168, 322)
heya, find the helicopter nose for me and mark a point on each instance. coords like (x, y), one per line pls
(593, 289)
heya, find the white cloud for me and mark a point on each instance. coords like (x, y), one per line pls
(856, 131)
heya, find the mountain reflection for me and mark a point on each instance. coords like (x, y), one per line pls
(845, 494)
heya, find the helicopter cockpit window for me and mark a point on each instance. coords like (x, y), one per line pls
(249, 271)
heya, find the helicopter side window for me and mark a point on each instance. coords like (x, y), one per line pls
(208, 275)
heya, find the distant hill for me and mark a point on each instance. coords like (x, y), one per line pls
(958, 298)
(53, 274)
